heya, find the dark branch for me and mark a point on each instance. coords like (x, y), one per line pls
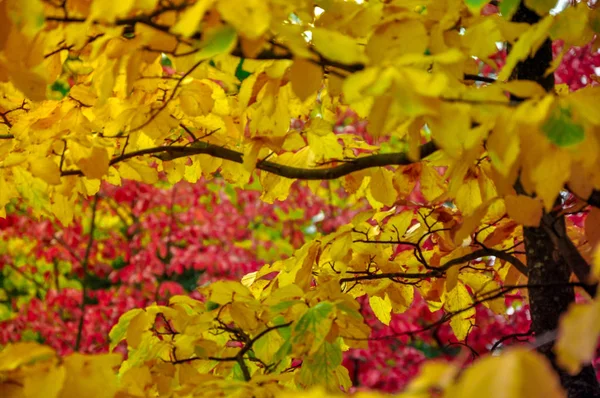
(330, 173)
(478, 78)
(145, 19)
(436, 272)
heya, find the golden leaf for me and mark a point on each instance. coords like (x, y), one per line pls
(524, 210)
(337, 47)
(382, 308)
(518, 373)
(251, 19)
(46, 169)
(458, 301)
(306, 77)
(578, 336)
(382, 187)
(96, 165)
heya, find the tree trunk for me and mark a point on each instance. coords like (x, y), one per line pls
(545, 262)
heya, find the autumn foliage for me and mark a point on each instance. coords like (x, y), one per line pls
(297, 198)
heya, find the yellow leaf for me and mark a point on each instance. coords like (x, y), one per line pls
(325, 147)
(96, 165)
(382, 308)
(596, 263)
(278, 188)
(401, 296)
(397, 38)
(432, 184)
(379, 116)
(31, 84)
(62, 208)
(524, 210)
(243, 316)
(458, 300)
(584, 101)
(190, 18)
(175, 170)
(83, 94)
(482, 49)
(223, 292)
(451, 128)
(523, 88)
(44, 380)
(138, 171)
(527, 45)
(27, 16)
(196, 99)
(341, 244)
(133, 70)
(7, 192)
(337, 47)
(251, 19)
(434, 375)
(138, 325)
(396, 226)
(452, 278)
(109, 11)
(320, 127)
(90, 375)
(46, 169)
(382, 186)
(578, 336)
(550, 174)
(503, 146)
(306, 78)
(471, 222)
(13, 356)
(541, 7)
(482, 284)
(468, 197)
(518, 373)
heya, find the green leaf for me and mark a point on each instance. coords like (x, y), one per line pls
(320, 367)
(240, 73)
(541, 7)
(237, 372)
(312, 318)
(313, 326)
(222, 41)
(59, 89)
(475, 6)
(165, 61)
(118, 263)
(119, 331)
(210, 305)
(508, 8)
(284, 305)
(562, 130)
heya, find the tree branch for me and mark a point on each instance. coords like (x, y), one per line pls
(487, 296)
(167, 153)
(145, 19)
(239, 357)
(437, 272)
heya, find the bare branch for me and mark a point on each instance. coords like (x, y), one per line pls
(174, 152)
